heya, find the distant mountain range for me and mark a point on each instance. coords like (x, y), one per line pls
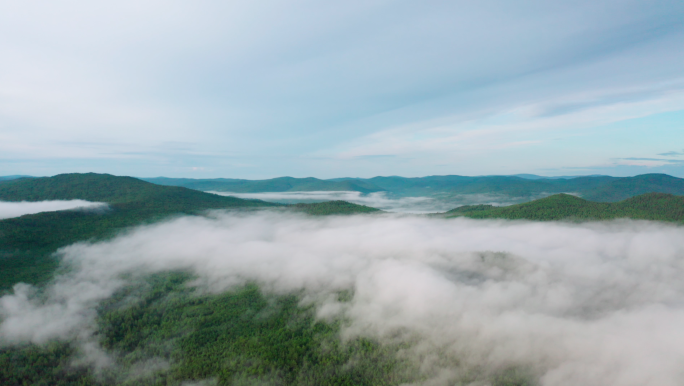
(246, 330)
(649, 206)
(7, 178)
(281, 184)
(27, 242)
(536, 177)
(595, 188)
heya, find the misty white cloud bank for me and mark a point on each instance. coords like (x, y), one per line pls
(593, 304)
(380, 200)
(16, 209)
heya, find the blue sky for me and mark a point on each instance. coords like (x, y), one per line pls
(263, 89)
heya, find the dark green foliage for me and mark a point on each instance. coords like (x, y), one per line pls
(594, 188)
(49, 365)
(238, 336)
(333, 208)
(471, 209)
(162, 332)
(113, 190)
(27, 242)
(651, 206)
(626, 187)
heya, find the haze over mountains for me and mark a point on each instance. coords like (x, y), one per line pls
(27, 242)
(175, 286)
(594, 188)
(424, 253)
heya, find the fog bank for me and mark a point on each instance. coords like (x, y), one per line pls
(381, 200)
(591, 304)
(16, 209)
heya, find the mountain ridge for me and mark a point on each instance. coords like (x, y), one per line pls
(27, 242)
(595, 188)
(648, 206)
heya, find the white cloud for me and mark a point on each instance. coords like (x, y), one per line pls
(466, 135)
(380, 200)
(16, 209)
(592, 304)
(252, 82)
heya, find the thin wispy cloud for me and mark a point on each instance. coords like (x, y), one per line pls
(17, 209)
(380, 200)
(673, 154)
(259, 89)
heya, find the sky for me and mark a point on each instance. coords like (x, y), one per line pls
(263, 89)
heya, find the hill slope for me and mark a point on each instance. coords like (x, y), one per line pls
(26, 242)
(650, 206)
(333, 208)
(108, 188)
(594, 188)
(622, 188)
(282, 184)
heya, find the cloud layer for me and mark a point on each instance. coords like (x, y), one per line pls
(16, 209)
(380, 200)
(592, 304)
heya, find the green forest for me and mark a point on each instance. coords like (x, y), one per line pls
(238, 337)
(27, 242)
(593, 188)
(160, 331)
(650, 206)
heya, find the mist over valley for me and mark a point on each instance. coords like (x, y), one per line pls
(342, 193)
(171, 285)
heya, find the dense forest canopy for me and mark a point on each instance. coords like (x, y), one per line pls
(162, 329)
(27, 242)
(650, 206)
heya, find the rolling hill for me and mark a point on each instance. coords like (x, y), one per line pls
(14, 177)
(244, 335)
(27, 242)
(649, 206)
(240, 335)
(594, 188)
(333, 208)
(281, 184)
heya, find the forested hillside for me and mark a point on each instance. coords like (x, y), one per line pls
(594, 188)
(333, 208)
(281, 184)
(159, 330)
(238, 337)
(650, 206)
(27, 242)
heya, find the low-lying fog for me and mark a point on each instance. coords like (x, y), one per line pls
(382, 201)
(591, 304)
(16, 209)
